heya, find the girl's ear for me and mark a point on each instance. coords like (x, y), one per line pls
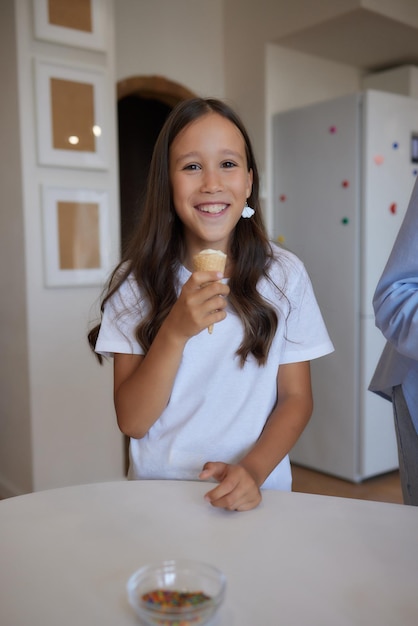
(249, 187)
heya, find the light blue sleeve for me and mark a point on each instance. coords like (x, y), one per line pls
(395, 300)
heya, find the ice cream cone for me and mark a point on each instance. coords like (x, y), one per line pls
(210, 260)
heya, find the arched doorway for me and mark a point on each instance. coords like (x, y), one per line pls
(144, 103)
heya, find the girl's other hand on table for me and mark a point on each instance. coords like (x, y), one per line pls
(237, 489)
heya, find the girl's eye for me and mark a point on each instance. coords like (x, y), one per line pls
(191, 166)
(228, 164)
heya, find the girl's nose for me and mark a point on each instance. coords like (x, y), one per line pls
(211, 181)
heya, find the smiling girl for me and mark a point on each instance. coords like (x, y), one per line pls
(225, 407)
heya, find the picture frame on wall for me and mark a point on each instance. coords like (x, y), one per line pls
(76, 236)
(72, 125)
(81, 24)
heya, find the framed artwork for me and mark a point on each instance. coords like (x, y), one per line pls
(71, 124)
(76, 236)
(80, 23)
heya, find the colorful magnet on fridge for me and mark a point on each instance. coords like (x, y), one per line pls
(345, 184)
(414, 172)
(393, 208)
(395, 145)
(345, 221)
(332, 130)
(283, 198)
(378, 159)
(280, 239)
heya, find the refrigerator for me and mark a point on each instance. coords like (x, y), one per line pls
(343, 172)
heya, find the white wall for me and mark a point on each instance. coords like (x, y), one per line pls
(62, 430)
(15, 432)
(181, 40)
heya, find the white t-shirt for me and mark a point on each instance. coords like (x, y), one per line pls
(217, 408)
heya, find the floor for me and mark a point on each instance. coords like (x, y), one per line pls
(384, 488)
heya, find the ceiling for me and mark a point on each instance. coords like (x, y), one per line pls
(361, 38)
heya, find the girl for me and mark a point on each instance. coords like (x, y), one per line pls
(226, 406)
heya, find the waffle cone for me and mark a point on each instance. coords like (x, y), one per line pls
(210, 260)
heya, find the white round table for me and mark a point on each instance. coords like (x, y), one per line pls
(298, 559)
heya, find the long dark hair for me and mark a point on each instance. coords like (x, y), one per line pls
(157, 247)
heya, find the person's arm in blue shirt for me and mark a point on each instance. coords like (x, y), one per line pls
(395, 301)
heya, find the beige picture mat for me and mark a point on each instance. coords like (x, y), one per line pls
(78, 23)
(79, 235)
(76, 14)
(72, 109)
(72, 115)
(77, 242)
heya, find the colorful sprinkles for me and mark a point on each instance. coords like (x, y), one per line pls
(166, 599)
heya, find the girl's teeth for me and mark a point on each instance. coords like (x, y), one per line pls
(213, 208)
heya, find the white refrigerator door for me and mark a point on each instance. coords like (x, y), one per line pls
(317, 191)
(343, 178)
(378, 449)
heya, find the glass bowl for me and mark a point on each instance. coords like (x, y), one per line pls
(176, 593)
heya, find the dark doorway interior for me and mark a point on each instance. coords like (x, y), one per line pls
(139, 122)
